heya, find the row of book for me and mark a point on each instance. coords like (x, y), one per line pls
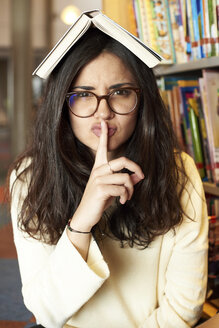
(179, 30)
(193, 103)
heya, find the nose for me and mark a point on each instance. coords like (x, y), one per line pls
(103, 110)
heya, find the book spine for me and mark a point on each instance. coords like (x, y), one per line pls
(150, 23)
(201, 27)
(211, 78)
(217, 19)
(215, 27)
(203, 134)
(184, 94)
(163, 35)
(196, 28)
(208, 125)
(207, 28)
(187, 30)
(194, 43)
(182, 28)
(135, 9)
(196, 139)
(171, 108)
(170, 30)
(139, 21)
(132, 18)
(178, 123)
(212, 27)
(176, 27)
(144, 24)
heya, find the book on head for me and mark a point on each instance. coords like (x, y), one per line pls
(107, 26)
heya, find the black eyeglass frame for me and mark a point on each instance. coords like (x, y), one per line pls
(99, 98)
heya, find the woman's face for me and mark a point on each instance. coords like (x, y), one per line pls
(101, 76)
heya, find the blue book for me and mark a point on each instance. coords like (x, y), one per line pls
(196, 28)
(200, 14)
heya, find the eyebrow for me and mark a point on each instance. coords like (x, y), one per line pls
(114, 86)
(119, 85)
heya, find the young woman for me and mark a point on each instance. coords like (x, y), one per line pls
(109, 216)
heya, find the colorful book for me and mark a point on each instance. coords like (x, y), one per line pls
(144, 22)
(187, 29)
(150, 24)
(138, 19)
(203, 134)
(195, 25)
(217, 19)
(194, 44)
(201, 31)
(186, 89)
(211, 83)
(178, 119)
(177, 30)
(212, 25)
(162, 28)
(207, 28)
(131, 18)
(196, 136)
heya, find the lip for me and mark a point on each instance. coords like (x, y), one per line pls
(96, 129)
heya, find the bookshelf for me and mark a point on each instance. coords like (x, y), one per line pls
(211, 188)
(163, 70)
(139, 17)
(190, 68)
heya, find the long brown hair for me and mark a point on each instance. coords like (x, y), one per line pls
(60, 164)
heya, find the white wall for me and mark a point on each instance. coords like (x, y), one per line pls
(38, 23)
(5, 32)
(38, 19)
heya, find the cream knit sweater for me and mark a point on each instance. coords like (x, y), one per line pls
(161, 286)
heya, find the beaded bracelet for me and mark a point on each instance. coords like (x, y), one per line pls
(77, 231)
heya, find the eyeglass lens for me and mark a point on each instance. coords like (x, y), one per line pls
(83, 103)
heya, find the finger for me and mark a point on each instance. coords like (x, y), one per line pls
(125, 163)
(101, 154)
(122, 179)
(135, 179)
(108, 191)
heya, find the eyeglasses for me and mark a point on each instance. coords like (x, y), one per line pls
(121, 101)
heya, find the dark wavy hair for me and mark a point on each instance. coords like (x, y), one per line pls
(60, 164)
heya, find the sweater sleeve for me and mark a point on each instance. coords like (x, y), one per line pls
(56, 281)
(185, 276)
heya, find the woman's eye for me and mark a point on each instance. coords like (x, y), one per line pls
(83, 94)
(122, 92)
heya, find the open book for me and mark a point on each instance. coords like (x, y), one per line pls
(106, 25)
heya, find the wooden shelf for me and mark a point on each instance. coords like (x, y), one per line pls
(211, 188)
(162, 70)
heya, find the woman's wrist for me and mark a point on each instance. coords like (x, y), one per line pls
(77, 224)
(72, 229)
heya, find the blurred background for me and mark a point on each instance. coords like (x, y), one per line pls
(28, 31)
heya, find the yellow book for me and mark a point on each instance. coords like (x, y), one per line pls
(119, 12)
(189, 83)
(150, 24)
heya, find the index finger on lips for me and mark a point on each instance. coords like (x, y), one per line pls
(101, 154)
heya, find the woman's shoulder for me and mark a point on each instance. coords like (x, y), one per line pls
(20, 172)
(188, 163)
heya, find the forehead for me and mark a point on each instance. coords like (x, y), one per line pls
(106, 66)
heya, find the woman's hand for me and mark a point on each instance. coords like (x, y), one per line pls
(105, 183)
